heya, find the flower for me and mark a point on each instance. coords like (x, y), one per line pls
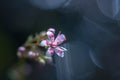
(21, 48)
(31, 54)
(53, 44)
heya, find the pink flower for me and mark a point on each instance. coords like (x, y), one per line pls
(21, 48)
(31, 54)
(53, 44)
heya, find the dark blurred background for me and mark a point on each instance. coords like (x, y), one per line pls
(92, 29)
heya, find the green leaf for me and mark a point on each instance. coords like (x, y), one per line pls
(46, 47)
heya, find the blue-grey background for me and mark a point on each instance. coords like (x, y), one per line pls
(92, 29)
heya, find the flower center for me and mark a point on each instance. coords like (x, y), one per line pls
(53, 45)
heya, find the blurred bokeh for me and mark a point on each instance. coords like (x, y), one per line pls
(92, 29)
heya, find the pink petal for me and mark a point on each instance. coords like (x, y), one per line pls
(21, 48)
(59, 51)
(31, 54)
(50, 36)
(44, 43)
(51, 30)
(59, 39)
(49, 52)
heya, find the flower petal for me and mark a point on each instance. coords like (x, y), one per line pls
(50, 36)
(44, 43)
(64, 49)
(31, 54)
(51, 30)
(59, 39)
(59, 51)
(21, 48)
(49, 52)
